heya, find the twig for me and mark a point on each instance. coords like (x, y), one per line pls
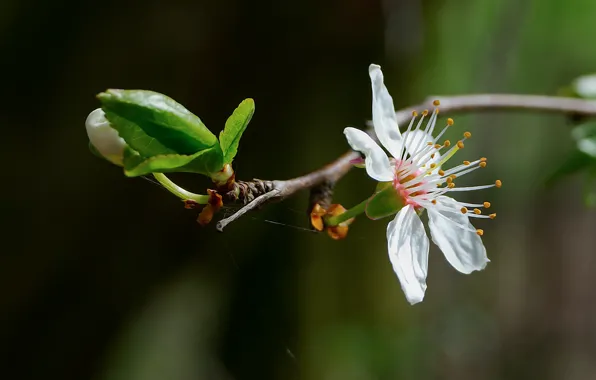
(261, 199)
(331, 173)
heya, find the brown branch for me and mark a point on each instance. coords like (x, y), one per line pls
(331, 173)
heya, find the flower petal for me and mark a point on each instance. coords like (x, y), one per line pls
(384, 119)
(377, 162)
(462, 248)
(408, 251)
(104, 138)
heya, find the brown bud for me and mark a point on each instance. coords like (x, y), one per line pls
(338, 232)
(215, 203)
(316, 217)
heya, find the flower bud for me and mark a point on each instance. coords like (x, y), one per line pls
(104, 138)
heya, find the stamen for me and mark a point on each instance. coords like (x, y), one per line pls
(482, 164)
(470, 188)
(434, 201)
(467, 135)
(483, 159)
(464, 210)
(441, 172)
(479, 232)
(460, 144)
(477, 211)
(436, 103)
(486, 204)
(449, 179)
(492, 216)
(424, 113)
(451, 185)
(414, 114)
(450, 122)
(466, 162)
(447, 144)
(498, 183)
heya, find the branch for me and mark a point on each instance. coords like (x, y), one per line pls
(504, 102)
(333, 172)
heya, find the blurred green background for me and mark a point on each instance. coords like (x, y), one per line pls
(108, 278)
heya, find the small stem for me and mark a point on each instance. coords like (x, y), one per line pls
(180, 192)
(336, 220)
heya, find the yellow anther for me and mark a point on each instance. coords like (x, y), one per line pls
(434, 201)
(436, 103)
(439, 184)
(451, 185)
(441, 172)
(414, 113)
(437, 146)
(467, 135)
(432, 155)
(447, 144)
(482, 164)
(483, 159)
(479, 232)
(492, 216)
(453, 176)
(464, 210)
(433, 165)
(450, 122)
(486, 204)
(460, 144)
(449, 180)
(466, 162)
(498, 183)
(477, 211)
(425, 113)
(430, 143)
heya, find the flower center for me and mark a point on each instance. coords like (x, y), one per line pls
(406, 194)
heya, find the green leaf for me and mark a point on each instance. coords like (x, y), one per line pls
(575, 161)
(590, 187)
(136, 138)
(385, 202)
(229, 138)
(585, 137)
(171, 125)
(206, 162)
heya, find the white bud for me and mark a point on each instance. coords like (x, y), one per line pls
(105, 138)
(585, 86)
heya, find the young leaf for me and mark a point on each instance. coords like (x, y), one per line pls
(136, 138)
(206, 162)
(235, 125)
(159, 117)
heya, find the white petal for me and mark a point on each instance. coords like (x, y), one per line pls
(377, 163)
(462, 248)
(384, 119)
(104, 138)
(416, 141)
(408, 251)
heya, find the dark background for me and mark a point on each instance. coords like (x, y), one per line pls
(105, 277)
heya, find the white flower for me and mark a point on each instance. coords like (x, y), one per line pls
(105, 138)
(416, 174)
